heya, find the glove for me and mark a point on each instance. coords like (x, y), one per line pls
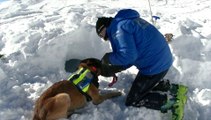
(105, 59)
(110, 70)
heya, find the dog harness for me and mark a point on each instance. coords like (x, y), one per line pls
(82, 79)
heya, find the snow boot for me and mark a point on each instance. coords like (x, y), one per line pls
(162, 86)
(179, 93)
(168, 105)
(176, 89)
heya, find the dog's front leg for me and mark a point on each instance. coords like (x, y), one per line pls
(97, 98)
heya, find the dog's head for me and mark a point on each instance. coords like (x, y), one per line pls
(169, 37)
(94, 65)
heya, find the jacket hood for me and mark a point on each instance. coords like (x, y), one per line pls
(126, 13)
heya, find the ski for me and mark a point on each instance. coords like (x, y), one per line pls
(181, 99)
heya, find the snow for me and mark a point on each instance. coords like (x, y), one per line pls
(38, 36)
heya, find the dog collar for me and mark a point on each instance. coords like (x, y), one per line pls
(94, 69)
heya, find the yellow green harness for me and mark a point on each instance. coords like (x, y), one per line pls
(82, 79)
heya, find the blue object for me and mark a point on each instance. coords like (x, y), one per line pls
(136, 42)
(156, 17)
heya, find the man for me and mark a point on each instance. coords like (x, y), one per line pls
(136, 42)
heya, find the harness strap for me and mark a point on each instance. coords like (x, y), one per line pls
(76, 74)
(88, 98)
(82, 79)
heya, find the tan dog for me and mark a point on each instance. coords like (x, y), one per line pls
(169, 37)
(62, 98)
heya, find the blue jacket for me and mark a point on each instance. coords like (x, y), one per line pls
(136, 42)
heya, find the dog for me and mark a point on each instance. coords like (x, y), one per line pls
(168, 37)
(62, 98)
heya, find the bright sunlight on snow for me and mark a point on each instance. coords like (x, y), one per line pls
(38, 36)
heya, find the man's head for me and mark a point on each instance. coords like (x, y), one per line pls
(101, 25)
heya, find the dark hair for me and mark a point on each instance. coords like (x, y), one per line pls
(102, 22)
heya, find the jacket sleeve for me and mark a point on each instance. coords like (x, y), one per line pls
(126, 52)
(108, 70)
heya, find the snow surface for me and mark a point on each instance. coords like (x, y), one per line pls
(38, 36)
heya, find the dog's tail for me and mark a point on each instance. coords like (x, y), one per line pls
(43, 113)
(48, 105)
(37, 117)
(37, 110)
(40, 114)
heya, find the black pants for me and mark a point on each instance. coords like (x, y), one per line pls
(143, 91)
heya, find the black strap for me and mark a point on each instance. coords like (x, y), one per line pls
(88, 98)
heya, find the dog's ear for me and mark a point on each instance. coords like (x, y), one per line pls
(72, 65)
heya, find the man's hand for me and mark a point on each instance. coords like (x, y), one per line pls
(105, 59)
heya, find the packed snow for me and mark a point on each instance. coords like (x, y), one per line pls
(38, 36)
